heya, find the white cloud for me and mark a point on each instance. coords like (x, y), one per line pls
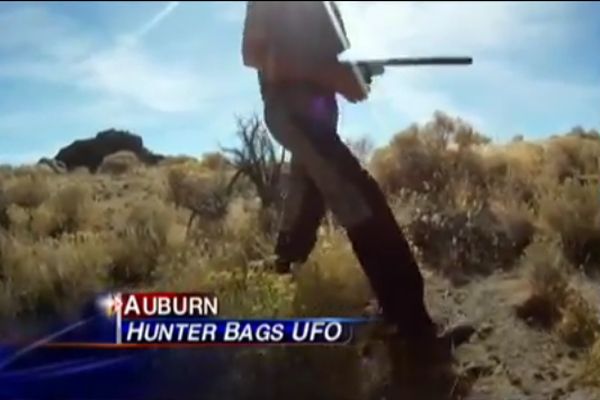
(125, 71)
(122, 71)
(415, 28)
(129, 73)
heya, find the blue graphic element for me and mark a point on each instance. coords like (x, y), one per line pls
(39, 372)
(36, 371)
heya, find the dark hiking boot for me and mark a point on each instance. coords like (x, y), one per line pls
(429, 349)
(282, 267)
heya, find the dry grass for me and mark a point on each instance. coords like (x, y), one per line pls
(590, 373)
(548, 277)
(215, 162)
(572, 210)
(331, 283)
(28, 190)
(555, 302)
(142, 244)
(579, 326)
(119, 163)
(69, 210)
(469, 207)
(53, 275)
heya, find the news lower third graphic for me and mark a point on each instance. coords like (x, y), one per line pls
(132, 340)
(192, 319)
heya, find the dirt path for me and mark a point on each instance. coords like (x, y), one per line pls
(506, 359)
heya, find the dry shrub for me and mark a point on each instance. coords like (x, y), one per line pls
(81, 171)
(27, 170)
(549, 283)
(6, 171)
(143, 243)
(204, 193)
(119, 163)
(54, 275)
(177, 190)
(71, 209)
(28, 191)
(207, 200)
(4, 217)
(331, 283)
(476, 241)
(184, 180)
(554, 301)
(571, 210)
(243, 228)
(171, 161)
(408, 164)
(516, 220)
(513, 170)
(248, 292)
(185, 270)
(590, 373)
(572, 155)
(579, 325)
(226, 268)
(215, 161)
(242, 216)
(430, 158)
(259, 159)
(524, 157)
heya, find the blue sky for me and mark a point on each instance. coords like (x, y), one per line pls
(172, 72)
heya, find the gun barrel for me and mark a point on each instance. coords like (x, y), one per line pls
(421, 61)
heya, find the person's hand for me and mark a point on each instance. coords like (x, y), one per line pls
(349, 85)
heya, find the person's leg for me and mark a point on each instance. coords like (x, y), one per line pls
(307, 127)
(303, 210)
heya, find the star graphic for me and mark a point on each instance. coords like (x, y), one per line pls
(110, 304)
(115, 305)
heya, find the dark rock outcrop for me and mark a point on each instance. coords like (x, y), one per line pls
(55, 166)
(90, 152)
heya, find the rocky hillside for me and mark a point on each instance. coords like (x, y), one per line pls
(90, 152)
